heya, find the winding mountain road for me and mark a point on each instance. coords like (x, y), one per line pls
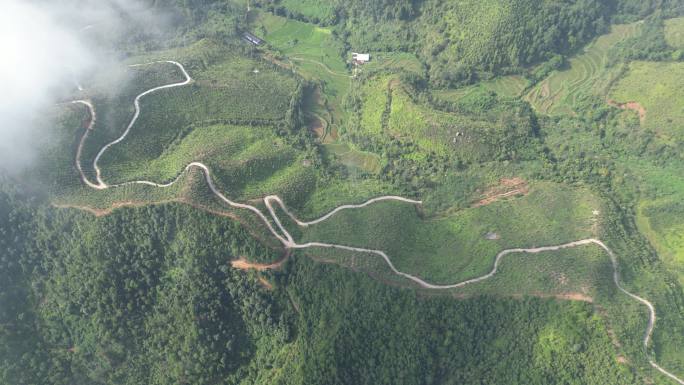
(286, 238)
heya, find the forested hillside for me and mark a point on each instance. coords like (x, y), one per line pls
(146, 296)
(494, 198)
(462, 41)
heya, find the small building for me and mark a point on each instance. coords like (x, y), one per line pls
(360, 58)
(252, 39)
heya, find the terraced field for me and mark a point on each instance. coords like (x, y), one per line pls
(587, 74)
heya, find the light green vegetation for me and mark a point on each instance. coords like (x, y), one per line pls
(178, 126)
(662, 222)
(353, 159)
(587, 74)
(454, 248)
(389, 110)
(461, 189)
(312, 44)
(247, 162)
(506, 86)
(226, 119)
(659, 212)
(312, 9)
(579, 272)
(395, 62)
(659, 88)
(324, 198)
(674, 32)
(114, 102)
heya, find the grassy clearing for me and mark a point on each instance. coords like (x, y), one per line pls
(587, 74)
(432, 130)
(354, 159)
(659, 88)
(453, 248)
(506, 86)
(296, 38)
(674, 32)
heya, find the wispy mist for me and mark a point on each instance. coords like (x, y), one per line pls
(48, 49)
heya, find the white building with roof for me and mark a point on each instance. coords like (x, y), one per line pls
(360, 58)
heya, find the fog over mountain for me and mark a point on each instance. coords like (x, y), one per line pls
(49, 48)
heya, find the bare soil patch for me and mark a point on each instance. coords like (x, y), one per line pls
(507, 187)
(243, 264)
(634, 106)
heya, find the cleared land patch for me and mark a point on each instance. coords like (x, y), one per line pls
(507, 187)
(354, 159)
(659, 88)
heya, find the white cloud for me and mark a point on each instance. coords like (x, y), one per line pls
(47, 48)
(38, 57)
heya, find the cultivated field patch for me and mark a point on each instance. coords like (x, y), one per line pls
(587, 74)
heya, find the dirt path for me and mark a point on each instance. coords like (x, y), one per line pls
(244, 264)
(289, 243)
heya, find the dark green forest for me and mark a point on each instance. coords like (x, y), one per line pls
(147, 296)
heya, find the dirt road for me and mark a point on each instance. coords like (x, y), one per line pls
(288, 242)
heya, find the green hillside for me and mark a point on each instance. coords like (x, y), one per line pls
(494, 198)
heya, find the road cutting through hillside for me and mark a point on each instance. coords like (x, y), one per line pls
(289, 243)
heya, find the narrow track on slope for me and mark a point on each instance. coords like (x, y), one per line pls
(287, 240)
